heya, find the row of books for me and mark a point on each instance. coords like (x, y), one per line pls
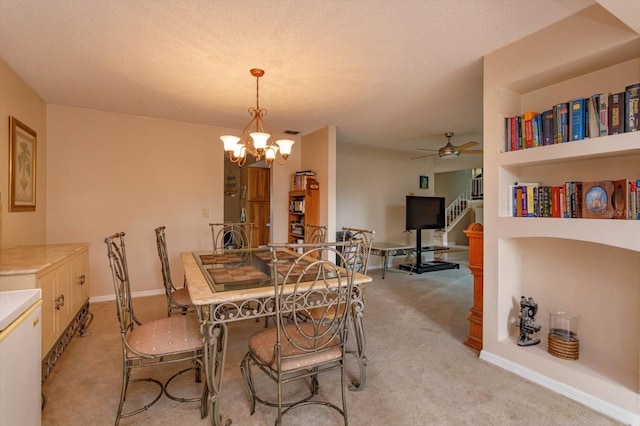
(303, 180)
(601, 114)
(297, 228)
(608, 199)
(296, 206)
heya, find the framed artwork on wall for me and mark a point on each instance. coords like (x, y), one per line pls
(22, 167)
(424, 182)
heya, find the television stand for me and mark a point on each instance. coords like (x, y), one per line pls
(420, 267)
(435, 265)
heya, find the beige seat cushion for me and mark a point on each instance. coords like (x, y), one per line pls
(167, 336)
(181, 296)
(263, 342)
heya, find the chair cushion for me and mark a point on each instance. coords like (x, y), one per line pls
(262, 345)
(181, 296)
(169, 335)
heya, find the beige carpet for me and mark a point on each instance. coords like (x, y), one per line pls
(419, 370)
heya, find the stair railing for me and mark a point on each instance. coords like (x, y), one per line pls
(456, 208)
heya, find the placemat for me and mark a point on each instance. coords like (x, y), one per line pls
(297, 270)
(236, 274)
(208, 259)
(282, 254)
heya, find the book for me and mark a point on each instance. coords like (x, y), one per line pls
(556, 211)
(547, 127)
(619, 198)
(514, 134)
(577, 119)
(632, 111)
(637, 197)
(507, 134)
(632, 203)
(594, 127)
(562, 122)
(616, 113)
(527, 120)
(603, 114)
(596, 199)
(535, 141)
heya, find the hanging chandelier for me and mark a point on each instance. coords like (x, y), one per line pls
(255, 136)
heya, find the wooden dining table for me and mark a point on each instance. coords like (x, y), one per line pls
(234, 285)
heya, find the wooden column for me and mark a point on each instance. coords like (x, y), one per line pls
(475, 233)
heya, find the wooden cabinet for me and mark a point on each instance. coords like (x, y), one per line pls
(61, 271)
(259, 213)
(257, 202)
(258, 181)
(304, 208)
(587, 266)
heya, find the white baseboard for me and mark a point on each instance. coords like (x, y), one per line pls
(110, 297)
(584, 398)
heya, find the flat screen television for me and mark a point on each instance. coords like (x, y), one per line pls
(424, 212)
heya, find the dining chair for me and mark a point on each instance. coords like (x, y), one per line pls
(297, 349)
(359, 259)
(231, 235)
(315, 234)
(163, 341)
(178, 300)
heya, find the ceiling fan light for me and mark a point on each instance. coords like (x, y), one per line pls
(449, 156)
(448, 152)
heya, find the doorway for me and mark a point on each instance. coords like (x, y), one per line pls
(248, 197)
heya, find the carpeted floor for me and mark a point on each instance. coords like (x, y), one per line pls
(419, 371)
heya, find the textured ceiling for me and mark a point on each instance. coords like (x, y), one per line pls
(387, 73)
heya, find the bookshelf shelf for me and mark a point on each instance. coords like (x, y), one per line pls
(599, 231)
(589, 149)
(588, 266)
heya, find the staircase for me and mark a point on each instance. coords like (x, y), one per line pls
(453, 214)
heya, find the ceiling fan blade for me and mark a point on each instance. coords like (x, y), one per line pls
(425, 149)
(423, 156)
(467, 145)
(472, 151)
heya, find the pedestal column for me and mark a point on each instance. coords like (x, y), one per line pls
(475, 233)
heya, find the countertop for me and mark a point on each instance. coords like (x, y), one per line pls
(14, 303)
(36, 258)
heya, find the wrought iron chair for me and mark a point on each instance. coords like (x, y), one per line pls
(231, 235)
(314, 234)
(297, 349)
(359, 259)
(178, 300)
(169, 340)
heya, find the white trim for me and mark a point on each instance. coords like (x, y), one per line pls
(110, 297)
(584, 398)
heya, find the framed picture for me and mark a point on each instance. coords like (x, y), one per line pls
(424, 182)
(22, 167)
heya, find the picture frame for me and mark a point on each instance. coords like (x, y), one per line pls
(22, 166)
(424, 182)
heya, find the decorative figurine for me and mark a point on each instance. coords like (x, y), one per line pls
(528, 310)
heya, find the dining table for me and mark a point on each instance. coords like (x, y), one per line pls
(228, 285)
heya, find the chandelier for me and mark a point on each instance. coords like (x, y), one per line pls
(255, 136)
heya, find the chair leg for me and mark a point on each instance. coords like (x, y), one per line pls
(245, 368)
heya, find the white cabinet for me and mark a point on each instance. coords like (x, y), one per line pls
(61, 271)
(20, 328)
(588, 266)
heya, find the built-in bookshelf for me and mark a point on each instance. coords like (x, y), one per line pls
(587, 266)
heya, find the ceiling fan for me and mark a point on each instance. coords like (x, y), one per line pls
(450, 151)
